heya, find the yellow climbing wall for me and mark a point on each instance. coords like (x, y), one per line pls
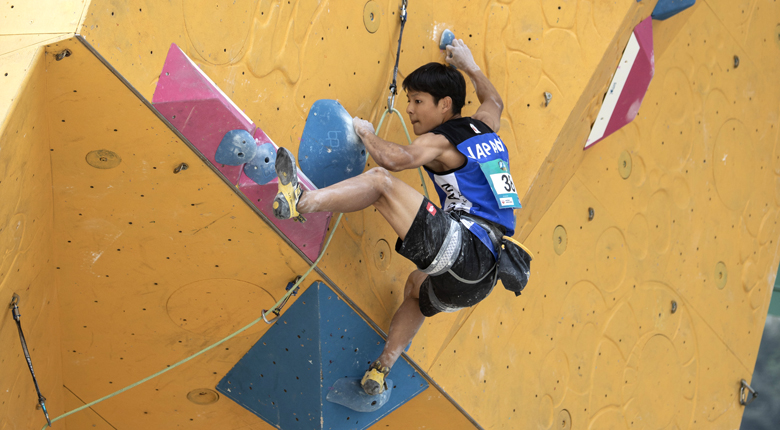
(650, 314)
(275, 58)
(151, 265)
(26, 255)
(645, 316)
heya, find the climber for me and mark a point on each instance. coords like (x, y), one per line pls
(456, 249)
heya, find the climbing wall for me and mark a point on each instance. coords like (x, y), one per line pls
(655, 264)
(655, 249)
(26, 256)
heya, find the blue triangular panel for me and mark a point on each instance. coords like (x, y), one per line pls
(286, 375)
(349, 345)
(279, 378)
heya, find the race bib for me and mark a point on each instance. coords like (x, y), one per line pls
(500, 180)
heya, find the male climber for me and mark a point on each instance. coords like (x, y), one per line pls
(455, 248)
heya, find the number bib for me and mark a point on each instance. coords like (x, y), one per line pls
(500, 180)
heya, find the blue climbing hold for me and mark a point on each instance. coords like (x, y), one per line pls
(668, 8)
(236, 148)
(446, 39)
(261, 168)
(330, 150)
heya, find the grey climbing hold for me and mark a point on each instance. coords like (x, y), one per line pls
(347, 392)
(261, 168)
(236, 148)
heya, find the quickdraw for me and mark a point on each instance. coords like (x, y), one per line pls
(18, 318)
(394, 85)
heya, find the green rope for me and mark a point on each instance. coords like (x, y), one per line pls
(262, 317)
(208, 348)
(419, 169)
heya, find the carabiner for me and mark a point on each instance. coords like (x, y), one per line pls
(275, 312)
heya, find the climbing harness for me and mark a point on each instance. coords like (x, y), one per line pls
(394, 91)
(18, 318)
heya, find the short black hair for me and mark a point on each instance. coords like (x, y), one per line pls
(439, 81)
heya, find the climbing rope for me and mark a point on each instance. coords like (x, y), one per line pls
(394, 91)
(393, 85)
(214, 345)
(18, 318)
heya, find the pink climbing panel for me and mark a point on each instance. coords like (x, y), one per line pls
(198, 108)
(629, 84)
(191, 101)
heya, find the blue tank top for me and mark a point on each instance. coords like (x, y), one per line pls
(466, 188)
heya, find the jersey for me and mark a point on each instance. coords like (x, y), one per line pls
(466, 188)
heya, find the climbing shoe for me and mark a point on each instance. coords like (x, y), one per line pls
(286, 201)
(373, 381)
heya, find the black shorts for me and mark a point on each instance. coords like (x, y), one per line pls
(444, 293)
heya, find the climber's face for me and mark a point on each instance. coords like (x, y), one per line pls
(426, 115)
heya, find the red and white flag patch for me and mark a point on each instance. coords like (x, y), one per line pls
(431, 208)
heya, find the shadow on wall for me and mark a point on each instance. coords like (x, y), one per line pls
(764, 412)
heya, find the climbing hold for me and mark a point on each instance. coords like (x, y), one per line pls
(591, 214)
(261, 168)
(736, 61)
(560, 240)
(564, 420)
(236, 148)
(203, 396)
(103, 159)
(721, 275)
(371, 15)
(446, 39)
(624, 165)
(547, 98)
(348, 392)
(330, 151)
(668, 8)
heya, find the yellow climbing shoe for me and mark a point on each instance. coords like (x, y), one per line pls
(373, 381)
(285, 204)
